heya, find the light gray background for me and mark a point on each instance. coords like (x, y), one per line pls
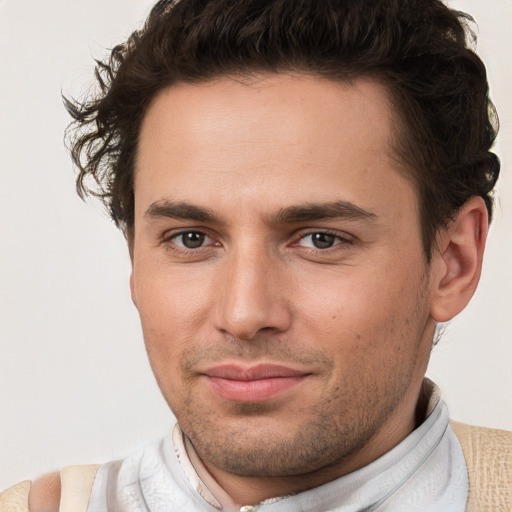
(75, 386)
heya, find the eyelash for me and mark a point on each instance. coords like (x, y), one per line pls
(168, 240)
(344, 240)
(340, 239)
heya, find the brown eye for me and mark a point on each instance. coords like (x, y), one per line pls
(323, 240)
(320, 240)
(191, 239)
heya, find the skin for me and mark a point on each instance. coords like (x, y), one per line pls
(355, 319)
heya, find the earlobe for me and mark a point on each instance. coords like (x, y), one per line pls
(458, 260)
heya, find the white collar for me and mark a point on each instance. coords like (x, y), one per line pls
(369, 481)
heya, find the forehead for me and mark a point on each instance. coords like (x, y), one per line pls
(277, 137)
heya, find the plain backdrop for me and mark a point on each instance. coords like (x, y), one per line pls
(75, 386)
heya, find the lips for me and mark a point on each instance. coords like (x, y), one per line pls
(253, 384)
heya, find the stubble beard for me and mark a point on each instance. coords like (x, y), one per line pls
(264, 440)
(260, 440)
(315, 443)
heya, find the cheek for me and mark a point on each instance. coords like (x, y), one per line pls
(172, 310)
(356, 309)
(166, 294)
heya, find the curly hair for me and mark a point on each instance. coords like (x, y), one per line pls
(420, 49)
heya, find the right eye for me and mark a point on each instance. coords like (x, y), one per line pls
(191, 239)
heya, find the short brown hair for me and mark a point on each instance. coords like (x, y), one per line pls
(419, 48)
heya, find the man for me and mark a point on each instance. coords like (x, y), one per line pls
(305, 188)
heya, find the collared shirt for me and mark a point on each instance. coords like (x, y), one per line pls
(425, 472)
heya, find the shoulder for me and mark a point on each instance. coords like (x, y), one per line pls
(45, 494)
(482, 445)
(41, 495)
(488, 455)
(15, 498)
(65, 491)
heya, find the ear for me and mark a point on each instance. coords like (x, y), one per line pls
(129, 233)
(132, 288)
(457, 261)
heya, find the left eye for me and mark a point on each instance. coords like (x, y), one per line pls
(319, 240)
(191, 239)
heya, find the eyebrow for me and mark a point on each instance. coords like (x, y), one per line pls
(290, 214)
(320, 211)
(181, 210)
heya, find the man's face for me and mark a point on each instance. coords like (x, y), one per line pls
(278, 272)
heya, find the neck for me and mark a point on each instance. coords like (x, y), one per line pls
(238, 490)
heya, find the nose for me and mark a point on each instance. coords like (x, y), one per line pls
(252, 295)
